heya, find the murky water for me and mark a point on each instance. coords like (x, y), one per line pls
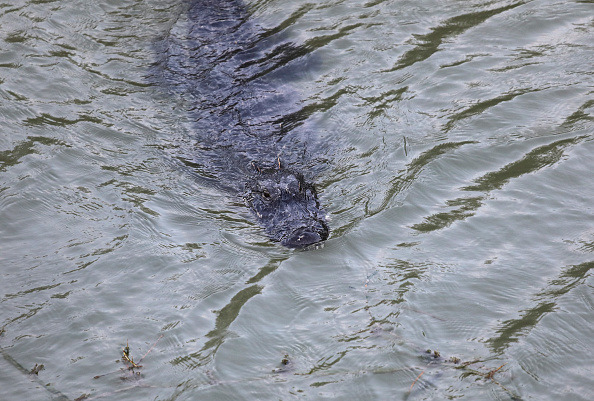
(459, 187)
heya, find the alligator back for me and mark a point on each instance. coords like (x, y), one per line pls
(246, 119)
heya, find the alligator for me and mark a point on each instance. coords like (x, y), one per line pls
(249, 129)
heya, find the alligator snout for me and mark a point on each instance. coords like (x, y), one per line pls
(305, 236)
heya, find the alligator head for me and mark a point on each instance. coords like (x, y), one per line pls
(287, 207)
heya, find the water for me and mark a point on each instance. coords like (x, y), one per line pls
(459, 190)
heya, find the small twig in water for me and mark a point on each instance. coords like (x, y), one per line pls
(424, 313)
(405, 152)
(413, 383)
(126, 356)
(492, 373)
(150, 349)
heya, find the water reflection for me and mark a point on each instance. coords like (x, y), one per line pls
(547, 301)
(225, 317)
(426, 45)
(466, 207)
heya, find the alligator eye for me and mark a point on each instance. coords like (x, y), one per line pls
(266, 194)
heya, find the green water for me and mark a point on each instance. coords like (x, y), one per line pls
(460, 193)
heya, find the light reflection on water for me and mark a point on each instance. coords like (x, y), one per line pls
(453, 153)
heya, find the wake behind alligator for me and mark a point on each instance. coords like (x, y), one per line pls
(249, 132)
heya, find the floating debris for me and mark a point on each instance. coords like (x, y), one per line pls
(285, 365)
(285, 360)
(127, 358)
(36, 369)
(434, 353)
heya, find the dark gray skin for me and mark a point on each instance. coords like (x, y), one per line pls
(287, 207)
(245, 115)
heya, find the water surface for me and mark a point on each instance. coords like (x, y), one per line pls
(457, 146)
